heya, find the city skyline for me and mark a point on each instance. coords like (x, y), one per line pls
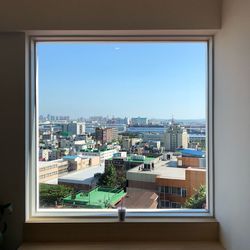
(119, 117)
(116, 79)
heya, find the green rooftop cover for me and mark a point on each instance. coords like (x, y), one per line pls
(100, 197)
(146, 160)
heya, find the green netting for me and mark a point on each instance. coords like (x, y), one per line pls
(100, 197)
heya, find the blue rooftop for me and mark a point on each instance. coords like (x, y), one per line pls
(191, 152)
(70, 157)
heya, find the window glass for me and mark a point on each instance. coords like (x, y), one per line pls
(121, 124)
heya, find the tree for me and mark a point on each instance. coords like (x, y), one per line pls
(52, 194)
(109, 177)
(121, 180)
(198, 200)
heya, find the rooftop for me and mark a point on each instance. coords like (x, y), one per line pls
(70, 157)
(84, 176)
(45, 163)
(97, 198)
(96, 150)
(145, 160)
(164, 169)
(192, 152)
(139, 198)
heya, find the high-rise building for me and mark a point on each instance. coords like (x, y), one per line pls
(175, 137)
(104, 135)
(76, 128)
(114, 133)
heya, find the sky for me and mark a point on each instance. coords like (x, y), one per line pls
(122, 79)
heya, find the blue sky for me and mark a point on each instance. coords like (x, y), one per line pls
(120, 79)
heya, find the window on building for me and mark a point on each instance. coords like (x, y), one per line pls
(184, 192)
(175, 205)
(116, 124)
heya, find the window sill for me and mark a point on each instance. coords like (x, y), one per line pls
(201, 245)
(158, 229)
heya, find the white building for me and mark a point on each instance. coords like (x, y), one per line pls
(105, 154)
(44, 154)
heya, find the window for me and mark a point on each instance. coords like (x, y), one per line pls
(175, 205)
(183, 192)
(115, 122)
(168, 190)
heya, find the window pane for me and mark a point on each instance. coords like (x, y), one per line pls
(122, 124)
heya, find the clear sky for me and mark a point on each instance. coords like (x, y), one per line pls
(120, 79)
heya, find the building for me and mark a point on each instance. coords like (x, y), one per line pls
(139, 199)
(52, 169)
(175, 137)
(120, 127)
(153, 136)
(97, 198)
(44, 154)
(129, 161)
(197, 141)
(102, 153)
(78, 162)
(64, 143)
(74, 128)
(127, 142)
(54, 154)
(139, 121)
(83, 179)
(174, 191)
(173, 185)
(155, 144)
(123, 163)
(106, 135)
(191, 158)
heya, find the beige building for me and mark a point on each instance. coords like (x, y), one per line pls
(175, 137)
(127, 142)
(77, 162)
(49, 170)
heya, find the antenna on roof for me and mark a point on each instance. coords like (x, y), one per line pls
(172, 122)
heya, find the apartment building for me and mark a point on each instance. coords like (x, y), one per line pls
(104, 135)
(175, 137)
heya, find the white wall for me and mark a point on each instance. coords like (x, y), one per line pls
(232, 125)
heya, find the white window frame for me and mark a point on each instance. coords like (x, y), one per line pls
(31, 128)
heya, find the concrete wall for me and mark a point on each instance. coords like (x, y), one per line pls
(232, 74)
(232, 124)
(12, 79)
(109, 14)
